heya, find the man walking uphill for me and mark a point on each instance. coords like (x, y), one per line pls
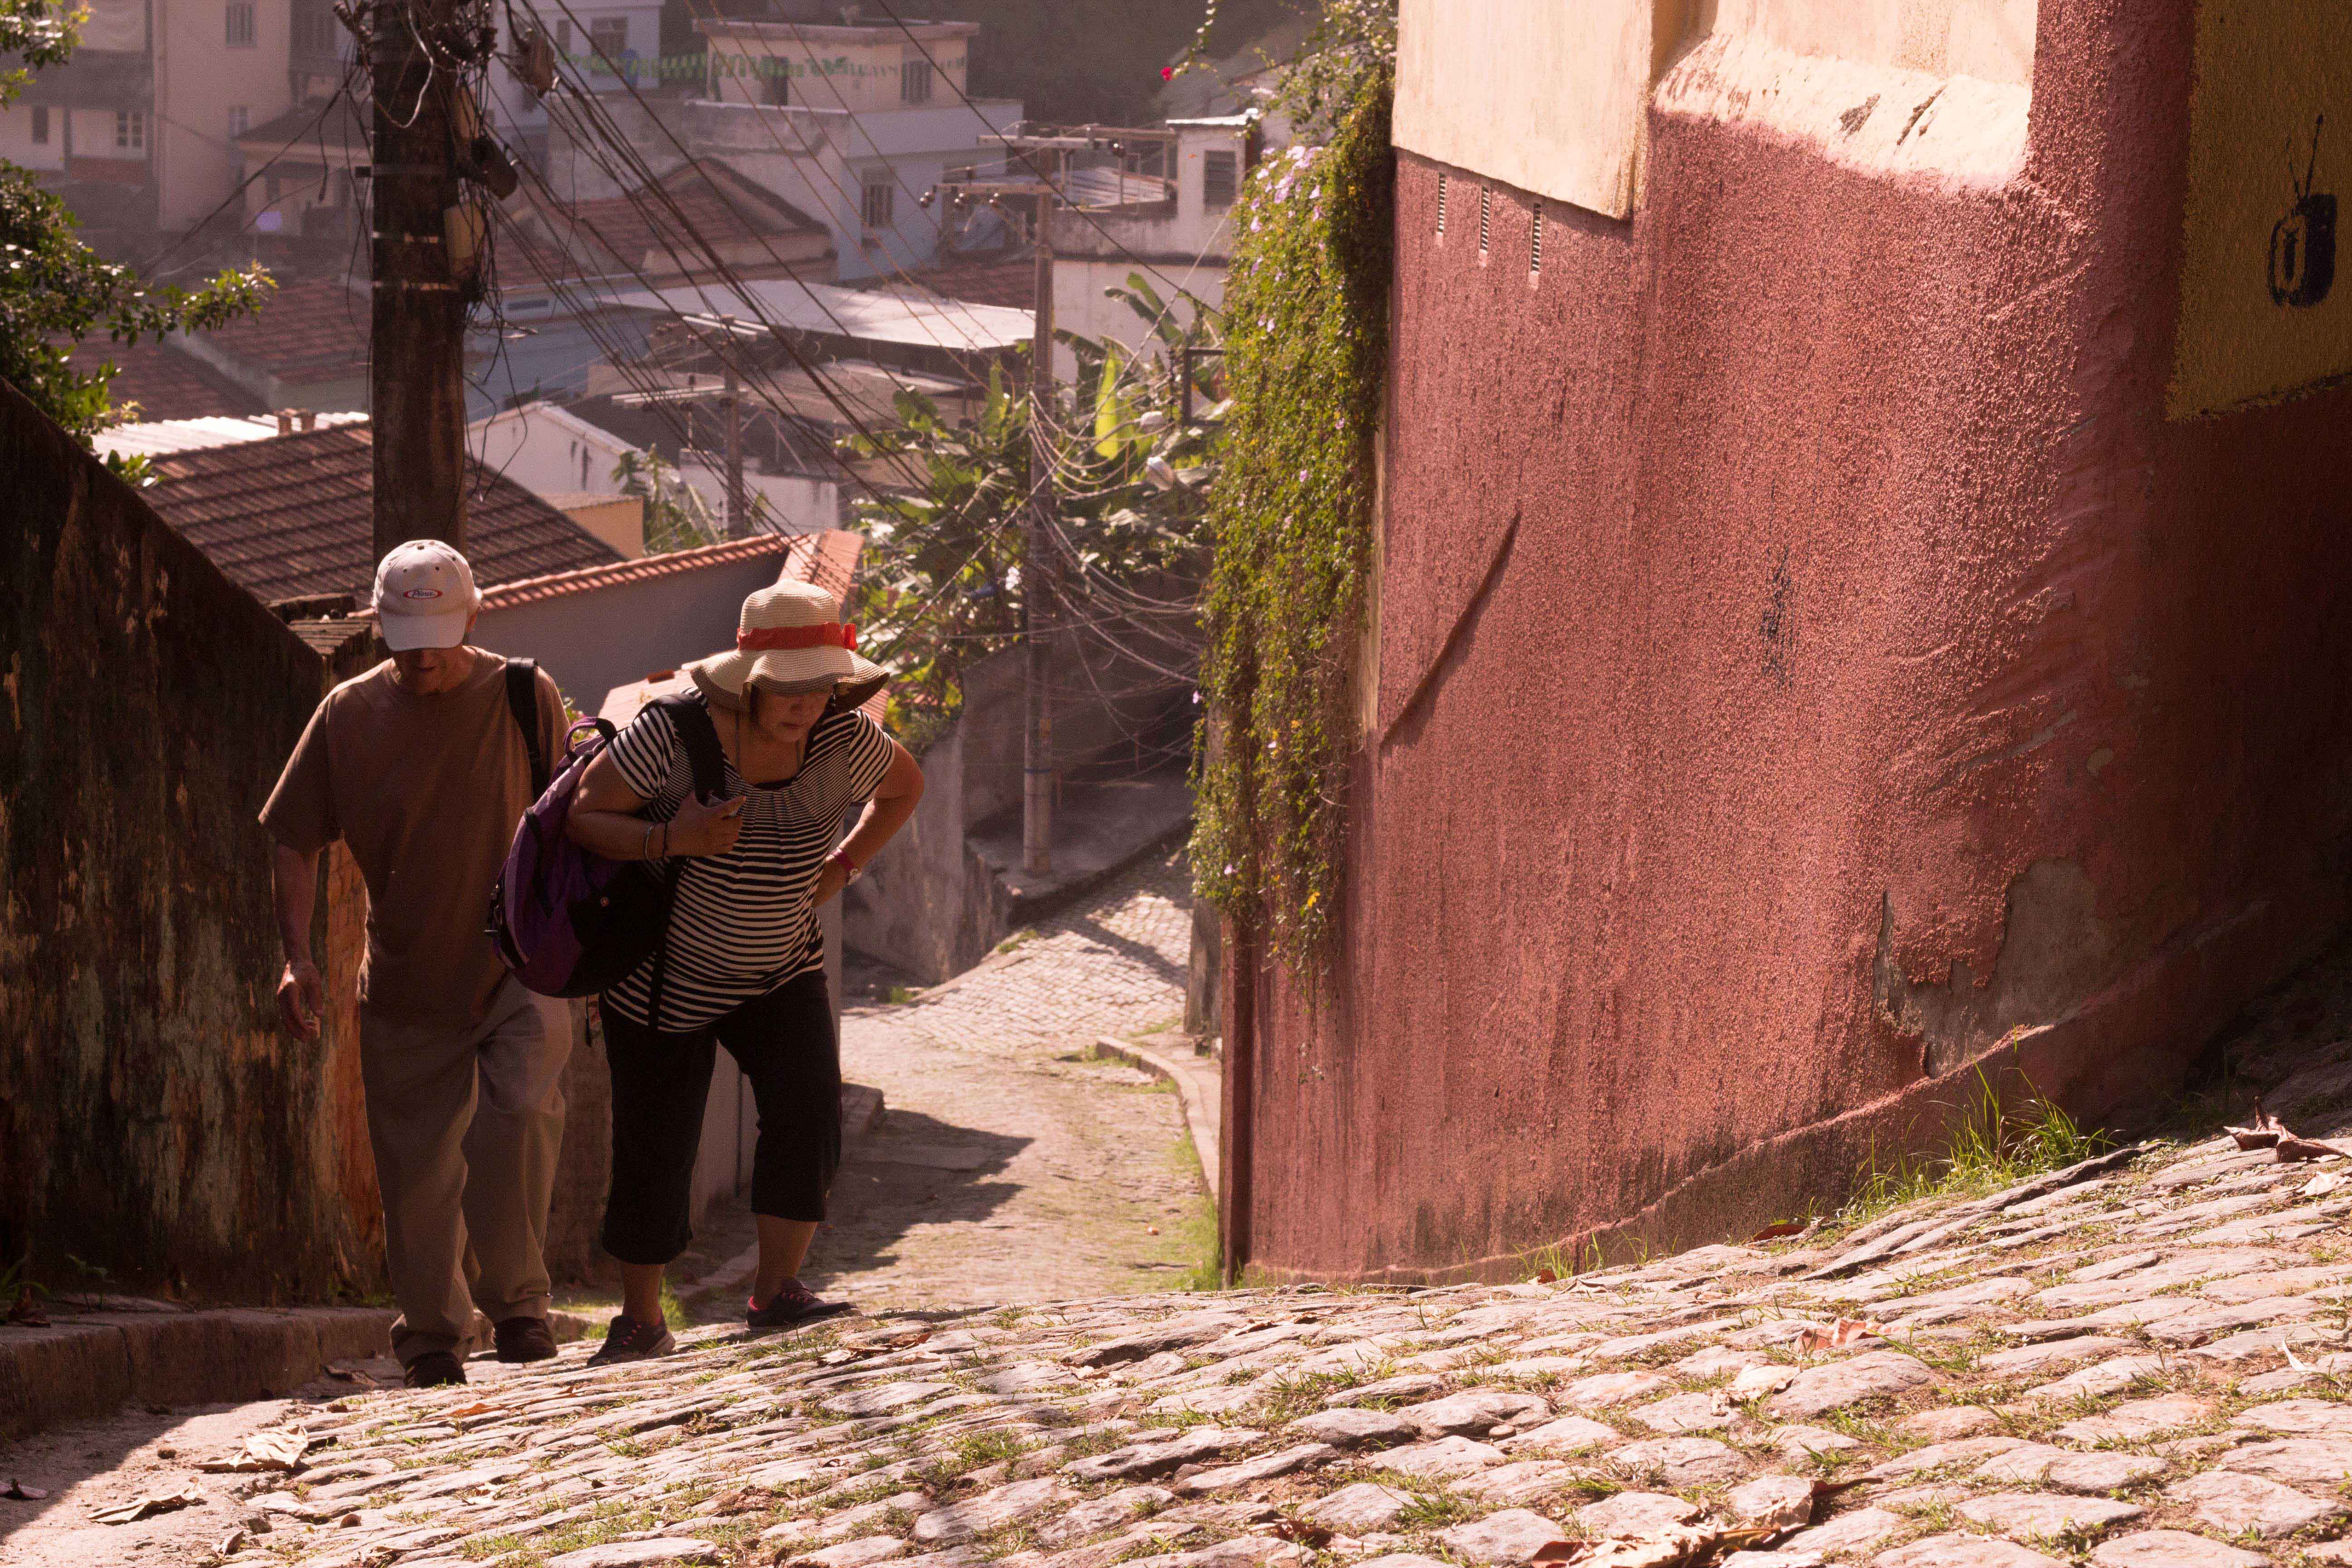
(421, 767)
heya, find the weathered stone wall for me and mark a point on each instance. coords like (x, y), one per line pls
(154, 1119)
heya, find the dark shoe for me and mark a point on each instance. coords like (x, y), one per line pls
(629, 1340)
(796, 1303)
(433, 1369)
(525, 1339)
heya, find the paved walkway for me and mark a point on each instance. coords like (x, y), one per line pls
(1012, 1167)
(2142, 1363)
(1114, 966)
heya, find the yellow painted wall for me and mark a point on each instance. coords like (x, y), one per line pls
(1991, 39)
(2259, 321)
(1552, 97)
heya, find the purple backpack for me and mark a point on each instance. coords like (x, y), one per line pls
(568, 921)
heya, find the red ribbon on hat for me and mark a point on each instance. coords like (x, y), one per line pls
(765, 640)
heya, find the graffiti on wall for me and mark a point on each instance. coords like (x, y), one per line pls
(2262, 314)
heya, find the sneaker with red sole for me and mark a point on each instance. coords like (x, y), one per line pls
(629, 1340)
(795, 1304)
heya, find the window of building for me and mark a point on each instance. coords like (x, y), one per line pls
(240, 24)
(130, 130)
(879, 203)
(314, 29)
(915, 79)
(778, 81)
(1220, 178)
(608, 37)
(40, 125)
(563, 38)
(270, 189)
(240, 120)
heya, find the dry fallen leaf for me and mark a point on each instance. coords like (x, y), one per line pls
(26, 1314)
(1786, 1227)
(1294, 1530)
(1546, 1277)
(2292, 1148)
(19, 1492)
(743, 1499)
(2264, 1132)
(2319, 1187)
(279, 1449)
(478, 1409)
(151, 1503)
(1814, 1341)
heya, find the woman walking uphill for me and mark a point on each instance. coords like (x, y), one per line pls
(742, 963)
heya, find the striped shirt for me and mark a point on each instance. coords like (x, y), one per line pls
(743, 922)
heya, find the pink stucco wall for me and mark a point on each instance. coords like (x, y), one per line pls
(1806, 657)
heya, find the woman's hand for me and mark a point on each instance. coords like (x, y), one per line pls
(699, 829)
(829, 882)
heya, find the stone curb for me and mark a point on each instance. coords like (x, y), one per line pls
(1199, 1118)
(85, 1364)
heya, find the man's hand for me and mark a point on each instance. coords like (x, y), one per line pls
(699, 829)
(300, 997)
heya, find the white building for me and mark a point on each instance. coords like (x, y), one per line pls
(569, 463)
(1180, 245)
(850, 124)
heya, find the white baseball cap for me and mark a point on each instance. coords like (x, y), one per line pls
(425, 594)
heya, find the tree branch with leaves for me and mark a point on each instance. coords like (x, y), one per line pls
(55, 290)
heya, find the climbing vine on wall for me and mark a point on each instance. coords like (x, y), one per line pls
(1291, 510)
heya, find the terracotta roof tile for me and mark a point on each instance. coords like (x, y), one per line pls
(556, 585)
(312, 330)
(1008, 279)
(165, 383)
(289, 516)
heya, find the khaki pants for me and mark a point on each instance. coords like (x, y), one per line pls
(466, 1123)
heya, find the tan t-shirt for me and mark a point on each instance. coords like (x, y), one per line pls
(427, 792)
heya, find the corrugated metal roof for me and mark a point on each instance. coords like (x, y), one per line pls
(862, 316)
(157, 437)
(289, 516)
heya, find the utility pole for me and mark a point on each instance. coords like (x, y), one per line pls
(416, 334)
(738, 515)
(1037, 572)
(1044, 148)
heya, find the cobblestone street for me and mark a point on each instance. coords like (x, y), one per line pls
(2140, 1362)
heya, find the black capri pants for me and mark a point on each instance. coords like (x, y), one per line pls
(784, 1042)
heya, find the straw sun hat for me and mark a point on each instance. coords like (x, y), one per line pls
(790, 639)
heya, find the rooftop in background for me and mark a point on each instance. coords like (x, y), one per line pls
(1005, 277)
(155, 437)
(753, 232)
(858, 315)
(289, 516)
(316, 329)
(165, 383)
(305, 132)
(829, 559)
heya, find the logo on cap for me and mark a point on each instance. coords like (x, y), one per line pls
(421, 594)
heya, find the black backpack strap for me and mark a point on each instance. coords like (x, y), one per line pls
(522, 701)
(699, 736)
